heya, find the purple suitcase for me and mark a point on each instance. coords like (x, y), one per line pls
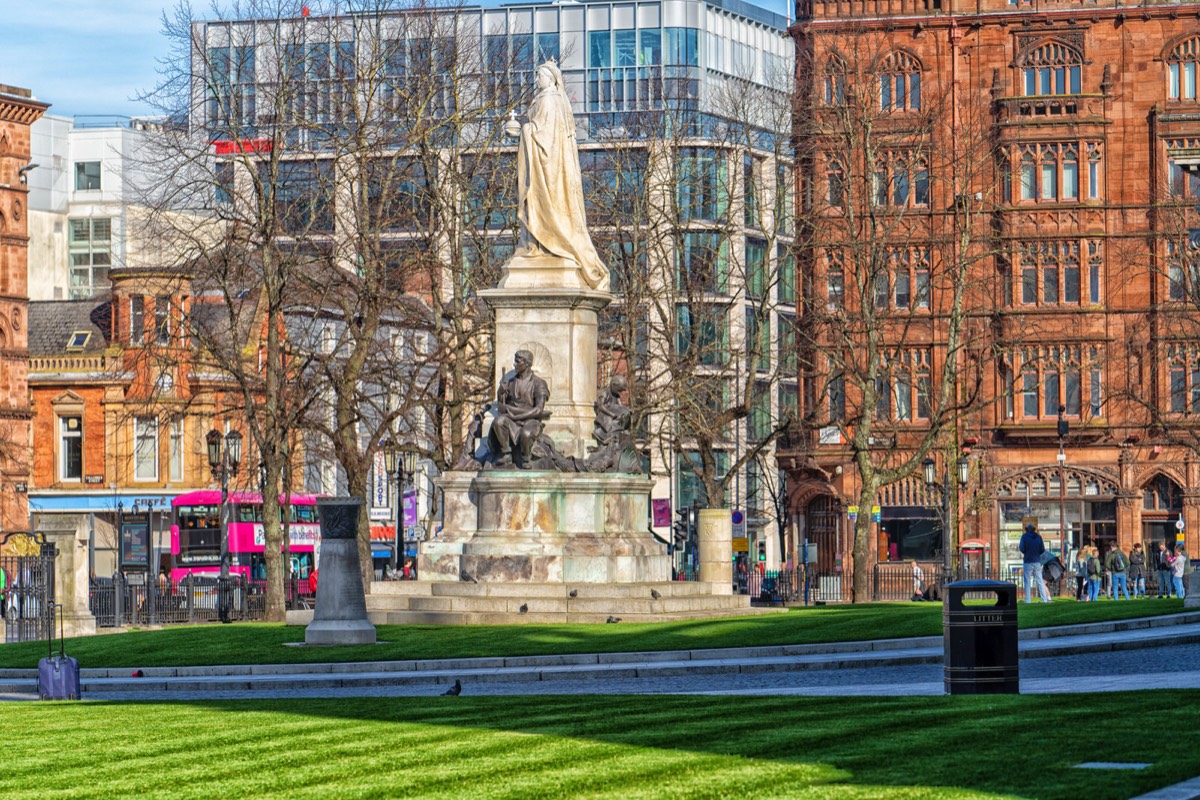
(58, 675)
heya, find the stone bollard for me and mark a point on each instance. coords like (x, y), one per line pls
(341, 613)
(715, 540)
(1191, 590)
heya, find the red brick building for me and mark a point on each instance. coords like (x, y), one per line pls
(18, 110)
(1063, 134)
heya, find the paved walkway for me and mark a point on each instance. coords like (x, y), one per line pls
(881, 668)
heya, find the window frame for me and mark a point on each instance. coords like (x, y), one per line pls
(65, 451)
(145, 448)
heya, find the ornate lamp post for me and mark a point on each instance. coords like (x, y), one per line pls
(399, 461)
(964, 474)
(224, 461)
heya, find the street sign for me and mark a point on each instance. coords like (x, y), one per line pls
(741, 544)
(852, 512)
(739, 523)
(876, 513)
(1179, 524)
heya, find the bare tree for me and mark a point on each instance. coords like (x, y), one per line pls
(695, 212)
(895, 245)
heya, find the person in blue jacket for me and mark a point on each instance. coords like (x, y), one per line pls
(1032, 547)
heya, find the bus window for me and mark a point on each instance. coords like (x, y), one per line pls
(305, 513)
(249, 513)
(196, 517)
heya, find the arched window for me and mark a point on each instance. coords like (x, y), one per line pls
(899, 83)
(1162, 494)
(1050, 69)
(835, 82)
(1181, 69)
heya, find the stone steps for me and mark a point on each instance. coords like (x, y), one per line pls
(464, 603)
(500, 618)
(527, 590)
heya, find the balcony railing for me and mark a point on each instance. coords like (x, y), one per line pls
(69, 363)
(1032, 107)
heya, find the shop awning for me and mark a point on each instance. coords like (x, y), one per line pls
(98, 503)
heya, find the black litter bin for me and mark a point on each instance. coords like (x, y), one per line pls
(981, 638)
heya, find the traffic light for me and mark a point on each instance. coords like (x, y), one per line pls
(762, 549)
(680, 529)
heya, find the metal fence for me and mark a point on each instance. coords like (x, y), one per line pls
(791, 586)
(125, 600)
(27, 601)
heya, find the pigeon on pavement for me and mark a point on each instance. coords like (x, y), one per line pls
(453, 691)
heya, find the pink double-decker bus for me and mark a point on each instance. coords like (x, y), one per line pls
(196, 535)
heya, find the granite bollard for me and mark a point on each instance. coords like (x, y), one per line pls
(341, 613)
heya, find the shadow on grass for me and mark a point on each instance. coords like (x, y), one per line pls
(648, 745)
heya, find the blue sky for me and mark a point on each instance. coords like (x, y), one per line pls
(83, 56)
(94, 57)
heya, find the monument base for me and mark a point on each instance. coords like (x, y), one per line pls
(544, 527)
(340, 631)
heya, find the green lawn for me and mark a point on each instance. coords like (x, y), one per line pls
(631, 747)
(257, 643)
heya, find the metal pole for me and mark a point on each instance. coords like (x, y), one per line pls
(224, 516)
(946, 539)
(397, 554)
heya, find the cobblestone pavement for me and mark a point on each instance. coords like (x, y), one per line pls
(1154, 667)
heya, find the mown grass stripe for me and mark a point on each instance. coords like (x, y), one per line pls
(258, 643)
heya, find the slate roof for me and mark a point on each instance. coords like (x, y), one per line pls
(53, 322)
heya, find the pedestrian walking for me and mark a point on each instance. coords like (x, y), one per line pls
(1137, 570)
(918, 576)
(1178, 567)
(1162, 566)
(1032, 547)
(1093, 574)
(1081, 575)
(1117, 564)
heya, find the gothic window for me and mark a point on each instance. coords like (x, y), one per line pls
(1181, 69)
(899, 83)
(1183, 362)
(901, 180)
(1182, 181)
(1183, 269)
(908, 268)
(835, 82)
(1051, 376)
(1052, 273)
(1053, 68)
(835, 277)
(1050, 172)
(903, 390)
(835, 178)
(1162, 494)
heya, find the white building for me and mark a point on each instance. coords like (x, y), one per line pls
(619, 60)
(83, 203)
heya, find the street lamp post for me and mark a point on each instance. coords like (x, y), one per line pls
(964, 474)
(1063, 430)
(400, 462)
(224, 458)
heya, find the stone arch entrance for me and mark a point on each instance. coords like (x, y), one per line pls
(1072, 506)
(1161, 506)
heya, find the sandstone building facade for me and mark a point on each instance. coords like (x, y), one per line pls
(1048, 150)
(18, 111)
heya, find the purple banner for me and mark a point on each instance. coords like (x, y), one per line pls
(410, 508)
(661, 512)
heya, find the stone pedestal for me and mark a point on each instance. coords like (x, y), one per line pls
(1191, 590)
(715, 535)
(69, 535)
(558, 326)
(544, 527)
(341, 613)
